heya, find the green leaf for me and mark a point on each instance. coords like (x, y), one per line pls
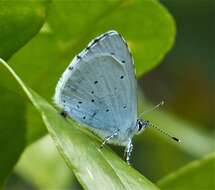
(94, 168)
(197, 175)
(41, 165)
(12, 139)
(19, 22)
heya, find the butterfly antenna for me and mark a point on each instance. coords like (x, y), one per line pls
(164, 132)
(152, 109)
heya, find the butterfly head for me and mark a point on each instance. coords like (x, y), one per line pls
(141, 125)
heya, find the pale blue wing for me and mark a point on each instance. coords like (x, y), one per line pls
(99, 86)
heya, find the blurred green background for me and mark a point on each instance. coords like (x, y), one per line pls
(184, 79)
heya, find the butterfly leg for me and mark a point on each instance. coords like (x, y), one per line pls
(128, 150)
(115, 133)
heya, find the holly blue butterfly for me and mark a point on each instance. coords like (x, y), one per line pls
(99, 89)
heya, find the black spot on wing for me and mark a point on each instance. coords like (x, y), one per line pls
(78, 57)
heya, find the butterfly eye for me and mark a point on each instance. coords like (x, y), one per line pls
(140, 125)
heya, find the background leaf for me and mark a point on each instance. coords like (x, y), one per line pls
(89, 163)
(12, 139)
(197, 175)
(42, 166)
(19, 22)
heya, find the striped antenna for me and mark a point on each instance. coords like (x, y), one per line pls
(164, 132)
(152, 109)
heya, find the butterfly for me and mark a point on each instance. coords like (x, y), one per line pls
(99, 89)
